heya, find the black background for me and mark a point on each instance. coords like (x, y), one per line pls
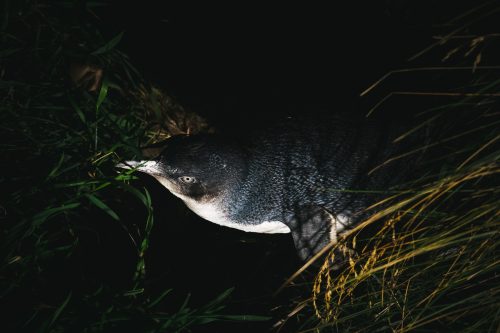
(242, 66)
(241, 63)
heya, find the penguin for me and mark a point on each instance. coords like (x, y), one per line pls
(313, 178)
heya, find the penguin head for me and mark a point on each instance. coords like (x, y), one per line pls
(199, 167)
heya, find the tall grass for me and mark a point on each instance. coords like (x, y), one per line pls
(427, 260)
(65, 213)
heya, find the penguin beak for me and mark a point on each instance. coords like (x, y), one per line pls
(149, 167)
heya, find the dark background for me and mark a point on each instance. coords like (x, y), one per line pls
(236, 63)
(241, 67)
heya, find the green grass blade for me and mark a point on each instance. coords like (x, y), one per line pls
(109, 45)
(101, 205)
(59, 310)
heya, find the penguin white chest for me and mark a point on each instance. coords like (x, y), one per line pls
(212, 212)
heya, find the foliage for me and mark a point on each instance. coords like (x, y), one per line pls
(427, 258)
(74, 232)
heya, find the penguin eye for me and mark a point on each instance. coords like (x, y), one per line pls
(187, 179)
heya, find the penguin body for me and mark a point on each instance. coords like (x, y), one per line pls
(310, 177)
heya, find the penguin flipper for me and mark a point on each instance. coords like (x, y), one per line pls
(311, 228)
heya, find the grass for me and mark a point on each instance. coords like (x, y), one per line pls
(427, 260)
(66, 214)
(426, 266)
(75, 234)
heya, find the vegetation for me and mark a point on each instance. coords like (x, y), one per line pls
(75, 233)
(72, 106)
(427, 260)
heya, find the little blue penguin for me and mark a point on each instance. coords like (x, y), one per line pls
(312, 178)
